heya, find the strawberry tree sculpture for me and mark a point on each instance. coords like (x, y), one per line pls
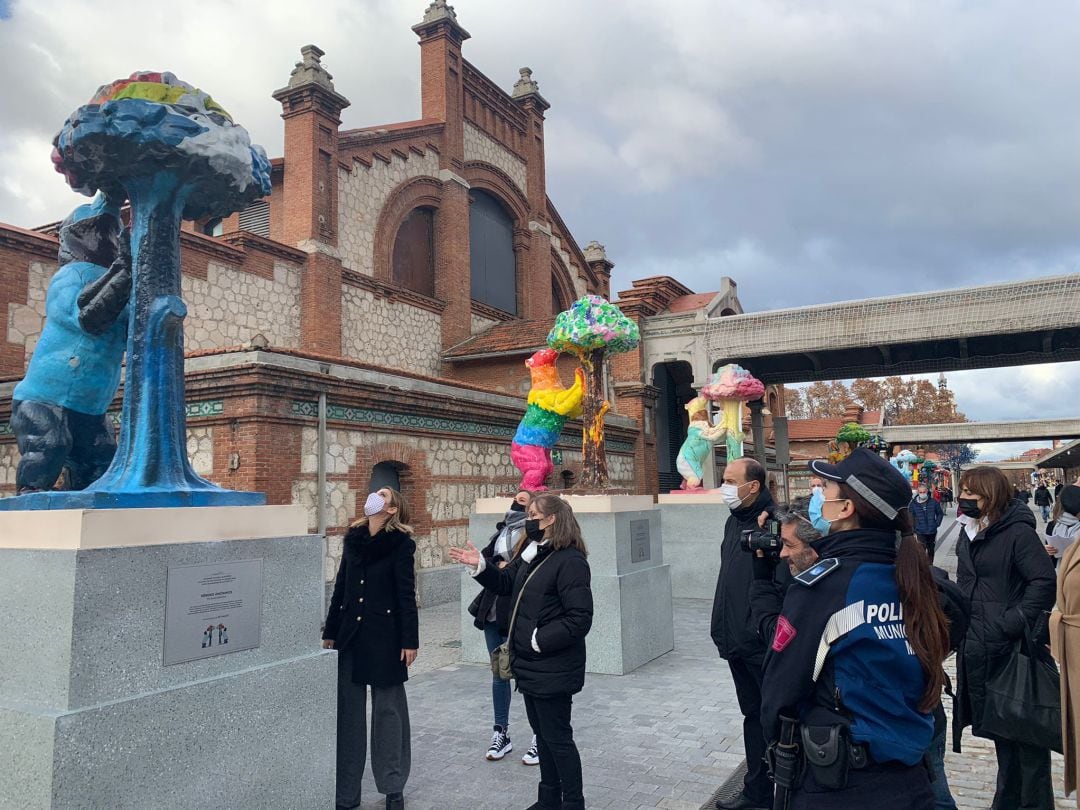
(176, 154)
(592, 329)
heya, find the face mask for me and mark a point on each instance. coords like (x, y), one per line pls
(374, 504)
(817, 491)
(969, 507)
(516, 507)
(730, 495)
(814, 512)
(533, 530)
(922, 496)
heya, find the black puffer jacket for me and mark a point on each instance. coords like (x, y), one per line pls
(558, 604)
(489, 598)
(373, 609)
(1008, 576)
(732, 628)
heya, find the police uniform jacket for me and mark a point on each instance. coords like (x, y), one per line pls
(373, 608)
(839, 651)
(1007, 575)
(557, 603)
(732, 629)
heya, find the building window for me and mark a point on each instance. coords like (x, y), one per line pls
(385, 474)
(256, 219)
(557, 304)
(214, 227)
(491, 253)
(414, 252)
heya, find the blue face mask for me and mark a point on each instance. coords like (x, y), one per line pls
(814, 512)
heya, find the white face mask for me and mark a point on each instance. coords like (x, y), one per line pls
(730, 494)
(922, 496)
(374, 504)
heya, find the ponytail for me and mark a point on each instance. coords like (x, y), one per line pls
(925, 623)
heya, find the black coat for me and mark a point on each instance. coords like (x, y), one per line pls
(733, 629)
(558, 604)
(1007, 575)
(373, 609)
(1043, 497)
(487, 597)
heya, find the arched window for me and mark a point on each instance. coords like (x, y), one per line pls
(491, 253)
(557, 304)
(214, 227)
(385, 474)
(413, 259)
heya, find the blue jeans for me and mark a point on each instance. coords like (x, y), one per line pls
(943, 799)
(1045, 512)
(500, 689)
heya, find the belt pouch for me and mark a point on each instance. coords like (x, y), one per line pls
(826, 752)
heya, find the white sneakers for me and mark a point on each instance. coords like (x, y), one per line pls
(532, 756)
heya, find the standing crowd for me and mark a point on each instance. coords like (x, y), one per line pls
(831, 617)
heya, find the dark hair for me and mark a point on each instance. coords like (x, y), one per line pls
(992, 485)
(925, 622)
(565, 531)
(752, 469)
(797, 512)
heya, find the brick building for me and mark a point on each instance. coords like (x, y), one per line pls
(392, 283)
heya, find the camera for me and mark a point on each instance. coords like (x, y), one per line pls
(767, 539)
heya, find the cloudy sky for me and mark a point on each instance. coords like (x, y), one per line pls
(814, 151)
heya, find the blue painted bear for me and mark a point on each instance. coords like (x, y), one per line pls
(58, 409)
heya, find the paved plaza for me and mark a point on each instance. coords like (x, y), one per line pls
(665, 736)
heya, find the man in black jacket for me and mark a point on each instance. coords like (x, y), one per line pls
(1044, 500)
(732, 628)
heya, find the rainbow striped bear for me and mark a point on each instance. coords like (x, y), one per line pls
(550, 405)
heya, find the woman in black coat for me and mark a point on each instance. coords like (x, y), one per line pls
(491, 613)
(374, 625)
(550, 582)
(1006, 573)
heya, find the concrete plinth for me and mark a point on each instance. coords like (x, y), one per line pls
(92, 716)
(693, 531)
(632, 618)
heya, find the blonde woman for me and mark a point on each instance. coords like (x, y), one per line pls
(374, 626)
(551, 578)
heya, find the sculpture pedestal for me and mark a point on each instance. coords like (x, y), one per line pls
(632, 618)
(693, 531)
(101, 719)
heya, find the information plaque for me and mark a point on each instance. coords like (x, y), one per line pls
(640, 547)
(212, 609)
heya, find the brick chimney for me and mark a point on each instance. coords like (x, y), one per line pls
(853, 412)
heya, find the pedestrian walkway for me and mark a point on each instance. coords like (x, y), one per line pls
(665, 736)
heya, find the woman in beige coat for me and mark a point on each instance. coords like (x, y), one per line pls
(1065, 643)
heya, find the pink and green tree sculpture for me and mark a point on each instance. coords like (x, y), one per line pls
(731, 386)
(591, 329)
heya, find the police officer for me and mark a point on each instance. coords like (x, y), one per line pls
(856, 650)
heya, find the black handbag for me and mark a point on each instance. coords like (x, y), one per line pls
(1023, 698)
(474, 605)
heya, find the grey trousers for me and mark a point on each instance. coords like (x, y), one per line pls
(391, 749)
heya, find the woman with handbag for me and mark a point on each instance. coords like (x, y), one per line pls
(1065, 641)
(549, 584)
(1007, 574)
(491, 613)
(373, 623)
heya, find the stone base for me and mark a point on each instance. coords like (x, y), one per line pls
(632, 618)
(437, 586)
(130, 500)
(693, 531)
(101, 722)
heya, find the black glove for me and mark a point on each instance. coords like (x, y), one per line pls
(102, 301)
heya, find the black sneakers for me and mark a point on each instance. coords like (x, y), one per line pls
(500, 745)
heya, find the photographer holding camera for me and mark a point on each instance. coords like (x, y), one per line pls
(732, 628)
(853, 671)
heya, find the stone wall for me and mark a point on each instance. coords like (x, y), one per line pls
(25, 320)
(564, 256)
(481, 324)
(456, 473)
(362, 193)
(389, 333)
(200, 449)
(479, 146)
(231, 306)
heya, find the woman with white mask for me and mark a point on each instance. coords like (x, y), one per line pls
(373, 623)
